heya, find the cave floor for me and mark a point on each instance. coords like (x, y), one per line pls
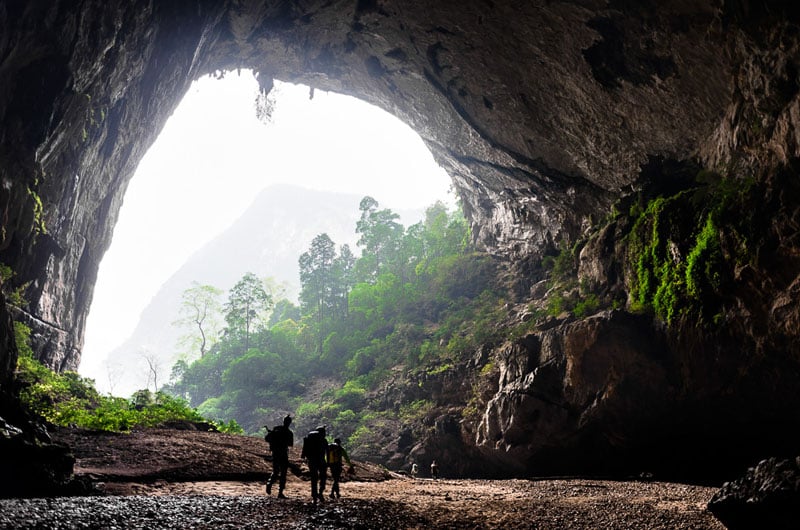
(190, 481)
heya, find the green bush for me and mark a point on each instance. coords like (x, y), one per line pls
(69, 399)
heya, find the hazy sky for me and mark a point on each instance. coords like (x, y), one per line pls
(212, 159)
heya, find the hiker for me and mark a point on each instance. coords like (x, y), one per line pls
(280, 438)
(336, 454)
(414, 470)
(434, 470)
(315, 445)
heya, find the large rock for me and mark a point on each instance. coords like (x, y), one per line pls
(767, 496)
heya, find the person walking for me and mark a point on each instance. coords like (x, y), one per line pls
(434, 470)
(315, 445)
(280, 438)
(336, 457)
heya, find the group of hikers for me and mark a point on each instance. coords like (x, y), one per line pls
(317, 452)
(319, 455)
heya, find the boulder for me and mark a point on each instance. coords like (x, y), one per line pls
(767, 496)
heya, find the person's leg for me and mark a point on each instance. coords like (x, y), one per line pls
(272, 476)
(314, 474)
(323, 475)
(336, 475)
(284, 468)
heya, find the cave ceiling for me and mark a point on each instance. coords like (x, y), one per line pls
(543, 113)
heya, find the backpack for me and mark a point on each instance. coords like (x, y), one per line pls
(313, 446)
(334, 454)
(276, 437)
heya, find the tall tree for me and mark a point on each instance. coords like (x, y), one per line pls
(316, 277)
(380, 235)
(247, 302)
(343, 279)
(200, 310)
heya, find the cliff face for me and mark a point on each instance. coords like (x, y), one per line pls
(543, 113)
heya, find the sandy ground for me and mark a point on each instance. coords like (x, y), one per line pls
(198, 468)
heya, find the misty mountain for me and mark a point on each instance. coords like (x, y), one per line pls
(266, 240)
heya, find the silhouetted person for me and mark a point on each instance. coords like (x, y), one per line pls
(434, 470)
(280, 438)
(337, 454)
(414, 470)
(315, 445)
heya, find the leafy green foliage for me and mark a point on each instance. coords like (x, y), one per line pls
(69, 399)
(248, 303)
(13, 294)
(676, 279)
(417, 300)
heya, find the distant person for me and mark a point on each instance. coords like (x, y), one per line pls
(336, 457)
(414, 470)
(315, 445)
(280, 438)
(434, 470)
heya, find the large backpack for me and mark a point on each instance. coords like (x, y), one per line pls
(334, 454)
(313, 446)
(276, 438)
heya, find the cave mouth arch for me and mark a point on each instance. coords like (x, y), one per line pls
(89, 90)
(213, 157)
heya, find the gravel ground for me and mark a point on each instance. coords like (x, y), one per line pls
(197, 512)
(397, 503)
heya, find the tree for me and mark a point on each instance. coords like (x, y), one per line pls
(343, 280)
(316, 275)
(247, 301)
(153, 367)
(380, 235)
(283, 310)
(200, 310)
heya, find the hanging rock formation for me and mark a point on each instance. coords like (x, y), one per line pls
(544, 114)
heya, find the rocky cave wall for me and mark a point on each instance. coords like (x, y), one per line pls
(543, 113)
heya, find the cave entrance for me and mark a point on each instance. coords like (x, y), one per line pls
(214, 157)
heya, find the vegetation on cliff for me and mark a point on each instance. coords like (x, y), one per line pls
(682, 248)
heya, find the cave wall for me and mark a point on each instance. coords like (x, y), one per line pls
(543, 113)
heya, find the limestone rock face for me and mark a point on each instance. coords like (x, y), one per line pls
(543, 113)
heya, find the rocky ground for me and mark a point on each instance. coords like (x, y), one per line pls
(191, 479)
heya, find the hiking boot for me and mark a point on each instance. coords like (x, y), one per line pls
(281, 496)
(332, 496)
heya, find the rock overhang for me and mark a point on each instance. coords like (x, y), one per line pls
(542, 113)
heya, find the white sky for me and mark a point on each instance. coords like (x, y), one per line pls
(212, 159)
